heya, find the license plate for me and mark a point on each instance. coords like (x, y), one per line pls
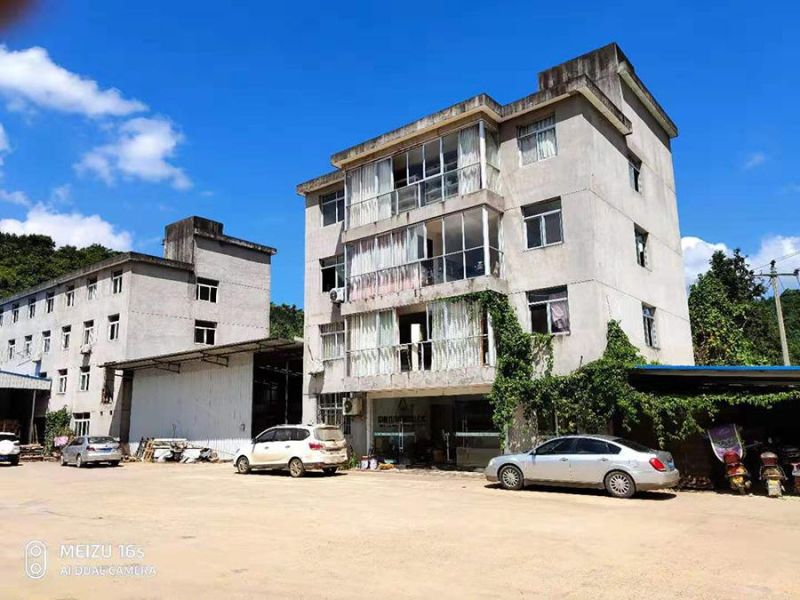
(106, 449)
(671, 466)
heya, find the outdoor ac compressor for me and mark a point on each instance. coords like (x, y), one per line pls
(351, 406)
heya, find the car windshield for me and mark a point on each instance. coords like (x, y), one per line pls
(328, 434)
(632, 445)
(102, 440)
(8, 437)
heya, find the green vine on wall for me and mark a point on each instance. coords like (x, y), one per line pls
(596, 394)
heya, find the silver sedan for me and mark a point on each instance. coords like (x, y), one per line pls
(85, 450)
(619, 466)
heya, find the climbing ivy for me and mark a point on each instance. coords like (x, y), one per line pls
(56, 423)
(596, 394)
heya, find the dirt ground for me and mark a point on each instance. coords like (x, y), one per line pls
(201, 531)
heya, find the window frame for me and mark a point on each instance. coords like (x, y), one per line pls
(80, 424)
(27, 346)
(547, 303)
(635, 173)
(339, 276)
(113, 327)
(31, 308)
(116, 282)
(46, 341)
(205, 327)
(651, 332)
(11, 349)
(49, 302)
(62, 381)
(542, 223)
(88, 332)
(15, 313)
(330, 411)
(69, 296)
(339, 207)
(209, 285)
(66, 335)
(533, 131)
(643, 256)
(91, 288)
(84, 376)
(338, 334)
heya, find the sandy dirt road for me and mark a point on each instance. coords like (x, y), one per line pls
(200, 531)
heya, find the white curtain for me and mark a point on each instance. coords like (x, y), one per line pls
(559, 313)
(546, 140)
(361, 192)
(361, 269)
(469, 159)
(455, 335)
(384, 200)
(372, 340)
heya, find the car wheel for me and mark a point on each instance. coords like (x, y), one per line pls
(620, 484)
(15, 461)
(78, 461)
(296, 468)
(63, 461)
(329, 470)
(114, 463)
(511, 478)
(243, 465)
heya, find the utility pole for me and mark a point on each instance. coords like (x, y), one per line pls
(773, 279)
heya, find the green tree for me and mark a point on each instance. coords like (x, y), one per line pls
(718, 324)
(286, 321)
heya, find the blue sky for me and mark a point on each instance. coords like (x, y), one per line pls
(222, 112)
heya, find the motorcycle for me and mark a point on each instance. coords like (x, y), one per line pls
(729, 449)
(772, 473)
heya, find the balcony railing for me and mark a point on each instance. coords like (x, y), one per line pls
(429, 355)
(421, 193)
(464, 264)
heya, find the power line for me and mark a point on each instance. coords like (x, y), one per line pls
(777, 260)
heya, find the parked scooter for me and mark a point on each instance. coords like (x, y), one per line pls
(737, 474)
(772, 473)
(728, 447)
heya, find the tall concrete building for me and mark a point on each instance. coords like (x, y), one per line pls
(208, 289)
(563, 200)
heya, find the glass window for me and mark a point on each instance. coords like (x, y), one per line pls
(206, 290)
(91, 288)
(116, 282)
(284, 434)
(205, 332)
(62, 381)
(332, 272)
(415, 165)
(267, 436)
(549, 310)
(113, 327)
(635, 173)
(31, 308)
(49, 302)
(537, 141)
(473, 228)
(330, 412)
(453, 234)
(83, 380)
(433, 165)
(11, 348)
(640, 237)
(70, 295)
(649, 322)
(450, 153)
(590, 446)
(332, 340)
(88, 332)
(332, 207)
(14, 313)
(557, 446)
(298, 435)
(543, 223)
(80, 423)
(632, 445)
(66, 333)
(45, 342)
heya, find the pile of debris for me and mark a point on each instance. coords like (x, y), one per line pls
(173, 450)
(32, 452)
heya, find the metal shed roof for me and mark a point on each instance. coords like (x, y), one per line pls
(212, 354)
(18, 381)
(691, 376)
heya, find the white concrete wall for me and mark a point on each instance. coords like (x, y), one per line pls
(210, 405)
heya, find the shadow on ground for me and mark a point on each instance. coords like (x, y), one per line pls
(656, 496)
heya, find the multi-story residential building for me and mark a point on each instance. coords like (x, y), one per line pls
(563, 200)
(208, 289)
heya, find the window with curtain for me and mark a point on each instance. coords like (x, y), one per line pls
(456, 334)
(549, 311)
(640, 237)
(332, 207)
(332, 340)
(537, 140)
(372, 340)
(332, 270)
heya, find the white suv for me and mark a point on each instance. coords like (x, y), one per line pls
(9, 448)
(294, 447)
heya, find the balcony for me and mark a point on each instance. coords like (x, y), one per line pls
(456, 247)
(457, 164)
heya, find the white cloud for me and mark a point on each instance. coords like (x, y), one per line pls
(61, 194)
(753, 160)
(141, 151)
(31, 77)
(697, 252)
(73, 228)
(17, 197)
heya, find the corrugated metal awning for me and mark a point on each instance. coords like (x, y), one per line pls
(211, 354)
(18, 381)
(697, 378)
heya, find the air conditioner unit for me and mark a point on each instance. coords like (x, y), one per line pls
(337, 295)
(351, 406)
(86, 349)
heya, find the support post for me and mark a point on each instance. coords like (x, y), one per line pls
(33, 413)
(773, 276)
